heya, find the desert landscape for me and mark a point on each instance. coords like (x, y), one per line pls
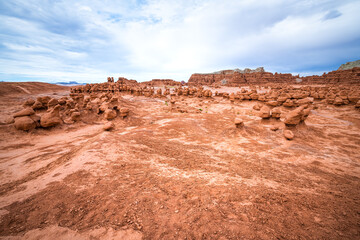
(235, 154)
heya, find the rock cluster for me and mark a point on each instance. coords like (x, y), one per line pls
(46, 112)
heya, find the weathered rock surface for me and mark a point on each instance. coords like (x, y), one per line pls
(25, 112)
(24, 123)
(52, 118)
(295, 117)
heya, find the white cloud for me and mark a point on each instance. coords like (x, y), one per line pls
(89, 40)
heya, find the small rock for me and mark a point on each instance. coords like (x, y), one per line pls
(289, 135)
(108, 126)
(124, 112)
(239, 123)
(274, 128)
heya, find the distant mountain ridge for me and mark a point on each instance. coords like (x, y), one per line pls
(70, 83)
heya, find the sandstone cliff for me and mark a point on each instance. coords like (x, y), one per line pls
(238, 78)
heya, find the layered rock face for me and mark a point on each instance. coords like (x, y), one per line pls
(350, 76)
(240, 77)
(235, 78)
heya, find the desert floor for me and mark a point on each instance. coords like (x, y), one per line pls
(162, 174)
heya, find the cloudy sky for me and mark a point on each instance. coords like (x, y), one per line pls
(86, 41)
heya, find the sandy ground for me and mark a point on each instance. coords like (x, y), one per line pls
(166, 175)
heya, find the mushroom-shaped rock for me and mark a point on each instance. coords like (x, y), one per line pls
(108, 126)
(110, 114)
(276, 112)
(24, 123)
(264, 112)
(239, 123)
(51, 118)
(25, 112)
(294, 117)
(124, 112)
(288, 134)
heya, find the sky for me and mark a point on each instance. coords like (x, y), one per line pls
(86, 41)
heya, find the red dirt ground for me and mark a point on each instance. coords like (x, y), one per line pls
(166, 175)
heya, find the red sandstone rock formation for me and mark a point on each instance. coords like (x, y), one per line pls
(234, 78)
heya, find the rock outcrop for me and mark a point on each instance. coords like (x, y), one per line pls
(349, 65)
(52, 118)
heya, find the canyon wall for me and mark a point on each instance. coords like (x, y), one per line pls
(235, 78)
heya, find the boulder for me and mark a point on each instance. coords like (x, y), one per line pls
(257, 106)
(305, 101)
(24, 123)
(52, 118)
(110, 114)
(295, 117)
(289, 135)
(124, 112)
(276, 112)
(108, 126)
(272, 103)
(29, 102)
(338, 101)
(75, 116)
(264, 112)
(25, 112)
(104, 106)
